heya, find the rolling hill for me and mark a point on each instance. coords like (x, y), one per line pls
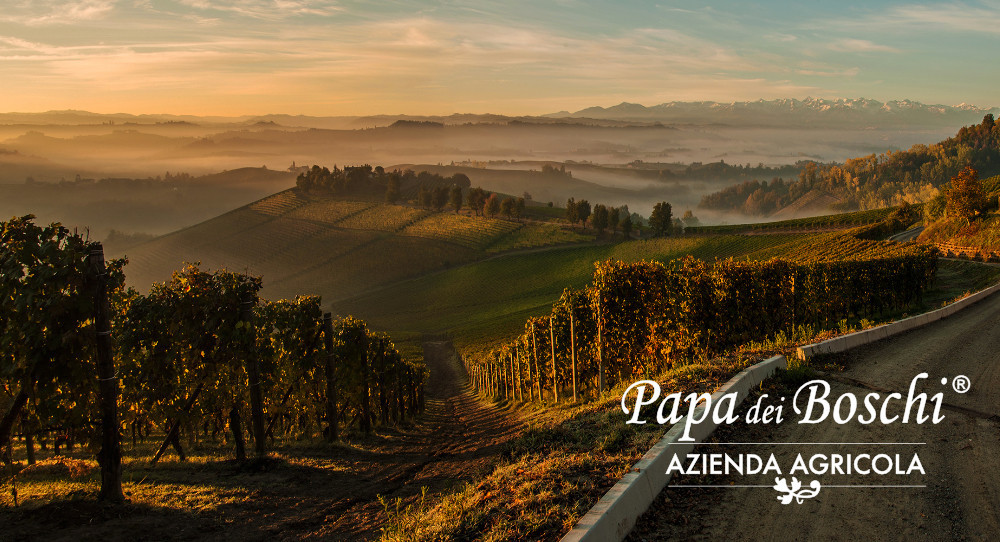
(305, 243)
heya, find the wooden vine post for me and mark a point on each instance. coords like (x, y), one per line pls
(400, 394)
(600, 345)
(253, 374)
(110, 455)
(516, 360)
(552, 343)
(383, 398)
(527, 366)
(572, 348)
(332, 433)
(366, 410)
(538, 374)
(514, 382)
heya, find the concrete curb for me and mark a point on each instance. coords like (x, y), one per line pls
(858, 338)
(614, 516)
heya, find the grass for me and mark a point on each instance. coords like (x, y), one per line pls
(982, 234)
(956, 279)
(554, 471)
(467, 302)
(208, 495)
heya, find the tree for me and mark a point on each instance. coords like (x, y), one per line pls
(519, 208)
(689, 219)
(571, 211)
(966, 198)
(392, 188)
(476, 199)
(583, 211)
(660, 220)
(424, 197)
(461, 180)
(600, 218)
(439, 197)
(507, 207)
(492, 206)
(626, 226)
(613, 219)
(455, 197)
(637, 220)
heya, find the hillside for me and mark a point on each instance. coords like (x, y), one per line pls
(813, 203)
(335, 247)
(144, 206)
(976, 238)
(872, 181)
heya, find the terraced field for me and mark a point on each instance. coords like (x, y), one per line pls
(537, 235)
(389, 218)
(467, 231)
(329, 211)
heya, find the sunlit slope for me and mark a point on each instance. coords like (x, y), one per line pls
(482, 301)
(302, 243)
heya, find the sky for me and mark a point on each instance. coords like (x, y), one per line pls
(346, 57)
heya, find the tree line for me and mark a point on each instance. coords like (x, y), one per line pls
(876, 180)
(601, 217)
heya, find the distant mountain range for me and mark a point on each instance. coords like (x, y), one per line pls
(790, 111)
(786, 112)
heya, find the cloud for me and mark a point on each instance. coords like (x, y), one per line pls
(952, 16)
(57, 12)
(849, 45)
(935, 18)
(267, 9)
(781, 38)
(849, 72)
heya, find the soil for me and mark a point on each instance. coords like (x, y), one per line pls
(317, 492)
(961, 497)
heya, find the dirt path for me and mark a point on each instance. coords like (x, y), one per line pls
(309, 491)
(456, 440)
(961, 455)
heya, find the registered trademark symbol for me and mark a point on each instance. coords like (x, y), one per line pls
(961, 383)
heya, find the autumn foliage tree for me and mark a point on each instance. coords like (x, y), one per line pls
(966, 198)
(491, 206)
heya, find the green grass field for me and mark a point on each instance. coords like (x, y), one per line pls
(488, 301)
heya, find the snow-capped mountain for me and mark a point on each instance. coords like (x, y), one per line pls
(789, 111)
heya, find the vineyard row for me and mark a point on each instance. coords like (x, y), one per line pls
(84, 356)
(638, 318)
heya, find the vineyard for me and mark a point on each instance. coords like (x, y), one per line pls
(332, 246)
(637, 319)
(534, 235)
(474, 233)
(455, 301)
(85, 357)
(843, 220)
